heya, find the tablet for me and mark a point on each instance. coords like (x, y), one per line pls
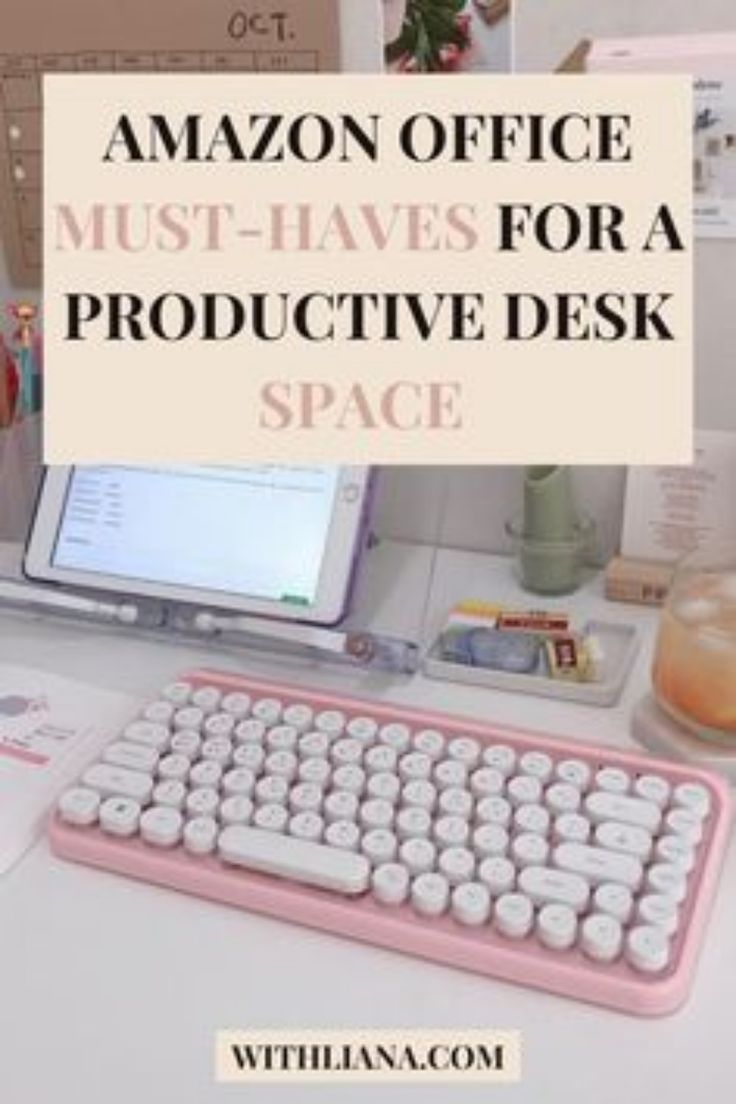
(273, 540)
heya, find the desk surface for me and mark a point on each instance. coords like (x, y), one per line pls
(112, 990)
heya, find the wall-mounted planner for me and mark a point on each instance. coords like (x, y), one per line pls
(82, 36)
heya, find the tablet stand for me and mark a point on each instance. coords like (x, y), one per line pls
(355, 646)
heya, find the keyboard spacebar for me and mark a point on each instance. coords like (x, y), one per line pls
(287, 857)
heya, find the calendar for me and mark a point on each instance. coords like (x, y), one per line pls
(167, 36)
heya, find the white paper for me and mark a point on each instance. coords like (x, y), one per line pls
(669, 511)
(49, 728)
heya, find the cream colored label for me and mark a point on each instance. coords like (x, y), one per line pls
(371, 1056)
(365, 269)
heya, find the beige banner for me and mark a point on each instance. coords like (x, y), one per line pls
(378, 1057)
(364, 269)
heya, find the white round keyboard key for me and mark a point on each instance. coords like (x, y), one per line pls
(575, 772)
(330, 721)
(282, 764)
(219, 724)
(654, 788)
(450, 773)
(340, 805)
(422, 795)
(529, 849)
(601, 936)
(455, 802)
(451, 831)
(343, 834)
(413, 823)
(686, 824)
(675, 850)
(267, 710)
(513, 915)
(79, 806)
(178, 693)
(667, 879)
(237, 704)
(250, 756)
(272, 790)
(306, 797)
(202, 802)
(205, 773)
(418, 855)
(349, 778)
(237, 809)
(160, 712)
(490, 839)
(465, 750)
(218, 750)
(307, 826)
(536, 764)
(314, 745)
(415, 767)
(271, 817)
(376, 814)
(498, 874)
(430, 894)
(317, 771)
(251, 731)
(390, 883)
(524, 789)
(161, 826)
(430, 742)
(613, 780)
(562, 797)
(557, 927)
(396, 736)
(200, 835)
(380, 758)
(174, 768)
(186, 742)
(282, 737)
(494, 810)
(532, 818)
(659, 910)
(648, 948)
(379, 846)
(486, 782)
(471, 904)
(364, 729)
(170, 793)
(346, 752)
(457, 864)
(614, 900)
(693, 797)
(501, 757)
(239, 782)
(299, 716)
(190, 716)
(571, 828)
(207, 698)
(384, 786)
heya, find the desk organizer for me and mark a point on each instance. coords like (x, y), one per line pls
(620, 643)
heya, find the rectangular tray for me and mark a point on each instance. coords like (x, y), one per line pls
(619, 641)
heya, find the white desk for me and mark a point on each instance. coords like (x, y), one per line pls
(111, 990)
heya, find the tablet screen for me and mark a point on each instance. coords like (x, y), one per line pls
(260, 532)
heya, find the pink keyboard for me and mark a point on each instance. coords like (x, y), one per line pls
(560, 865)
